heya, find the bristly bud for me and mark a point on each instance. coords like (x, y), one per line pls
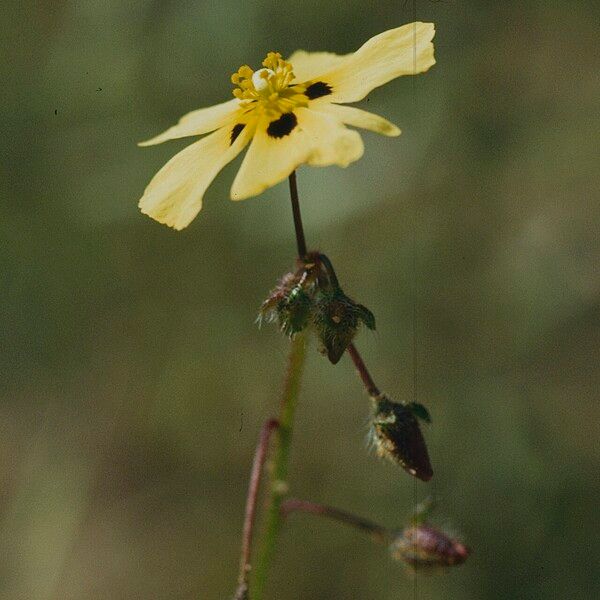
(312, 296)
(288, 304)
(427, 547)
(336, 319)
(268, 309)
(294, 311)
(397, 436)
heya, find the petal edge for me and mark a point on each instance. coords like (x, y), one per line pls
(356, 117)
(197, 122)
(406, 50)
(174, 195)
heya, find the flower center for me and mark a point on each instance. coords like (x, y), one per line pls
(269, 90)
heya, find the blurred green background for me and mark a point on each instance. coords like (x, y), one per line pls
(134, 379)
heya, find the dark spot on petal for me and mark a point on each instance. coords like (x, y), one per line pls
(318, 89)
(282, 126)
(237, 129)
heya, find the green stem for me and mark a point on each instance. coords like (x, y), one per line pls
(279, 473)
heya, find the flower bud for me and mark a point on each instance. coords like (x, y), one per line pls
(425, 546)
(397, 437)
(289, 304)
(268, 309)
(336, 319)
(293, 313)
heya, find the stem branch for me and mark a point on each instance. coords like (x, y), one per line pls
(255, 476)
(377, 532)
(279, 471)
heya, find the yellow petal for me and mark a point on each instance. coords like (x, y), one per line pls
(357, 118)
(174, 196)
(198, 122)
(309, 65)
(317, 140)
(407, 50)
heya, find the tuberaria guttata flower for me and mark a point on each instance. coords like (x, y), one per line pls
(289, 113)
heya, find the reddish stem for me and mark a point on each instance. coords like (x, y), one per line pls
(379, 533)
(300, 240)
(257, 468)
(363, 372)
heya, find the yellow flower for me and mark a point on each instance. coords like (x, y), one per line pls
(290, 113)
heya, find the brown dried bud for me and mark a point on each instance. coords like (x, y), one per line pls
(397, 436)
(426, 547)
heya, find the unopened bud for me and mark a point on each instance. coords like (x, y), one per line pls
(397, 436)
(293, 313)
(336, 319)
(268, 309)
(288, 304)
(425, 546)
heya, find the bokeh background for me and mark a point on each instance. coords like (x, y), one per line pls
(134, 379)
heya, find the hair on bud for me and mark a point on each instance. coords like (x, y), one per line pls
(268, 309)
(397, 436)
(427, 547)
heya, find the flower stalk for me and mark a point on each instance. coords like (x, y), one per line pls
(300, 239)
(279, 470)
